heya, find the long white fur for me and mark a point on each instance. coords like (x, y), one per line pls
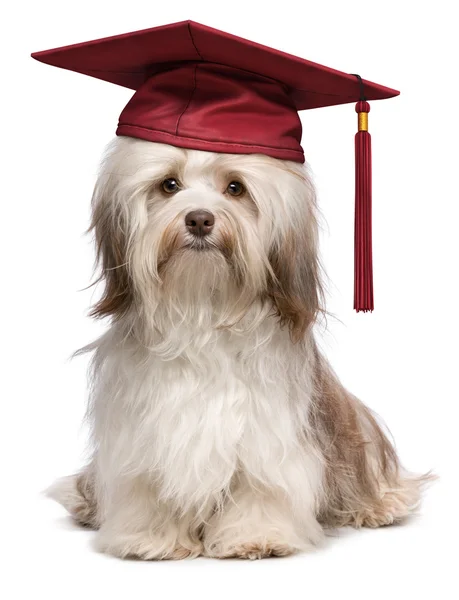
(199, 405)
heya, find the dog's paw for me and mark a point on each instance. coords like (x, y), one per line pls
(147, 547)
(251, 550)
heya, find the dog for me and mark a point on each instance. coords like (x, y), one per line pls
(217, 426)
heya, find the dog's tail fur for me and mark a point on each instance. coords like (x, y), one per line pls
(364, 483)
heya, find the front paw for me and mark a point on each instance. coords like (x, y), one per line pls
(147, 546)
(252, 550)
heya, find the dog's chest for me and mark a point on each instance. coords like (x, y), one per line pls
(224, 404)
(221, 409)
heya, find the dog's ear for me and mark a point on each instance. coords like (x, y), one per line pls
(111, 256)
(295, 285)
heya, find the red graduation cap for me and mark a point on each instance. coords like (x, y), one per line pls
(201, 88)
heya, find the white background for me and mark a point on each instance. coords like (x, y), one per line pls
(402, 359)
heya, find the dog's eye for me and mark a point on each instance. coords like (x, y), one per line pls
(170, 186)
(235, 188)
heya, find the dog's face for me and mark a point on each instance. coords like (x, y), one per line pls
(186, 228)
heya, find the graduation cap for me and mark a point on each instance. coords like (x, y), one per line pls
(201, 88)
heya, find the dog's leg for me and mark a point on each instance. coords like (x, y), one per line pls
(258, 522)
(137, 525)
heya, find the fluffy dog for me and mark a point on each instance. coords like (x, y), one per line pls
(218, 428)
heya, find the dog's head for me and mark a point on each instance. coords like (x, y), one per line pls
(187, 228)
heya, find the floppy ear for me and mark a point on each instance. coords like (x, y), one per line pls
(111, 256)
(295, 287)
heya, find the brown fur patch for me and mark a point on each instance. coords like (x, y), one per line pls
(295, 288)
(363, 484)
(111, 256)
(170, 243)
(85, 511)
(227, 246)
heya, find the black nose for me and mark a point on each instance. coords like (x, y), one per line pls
(199, 222)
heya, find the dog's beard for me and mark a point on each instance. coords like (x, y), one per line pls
(196, 280)
(199, 292)
(198, 295)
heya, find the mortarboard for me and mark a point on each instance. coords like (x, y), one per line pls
(201, 88)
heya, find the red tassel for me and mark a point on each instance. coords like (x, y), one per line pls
(363, 258)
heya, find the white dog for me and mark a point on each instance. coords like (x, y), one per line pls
(218, 428)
